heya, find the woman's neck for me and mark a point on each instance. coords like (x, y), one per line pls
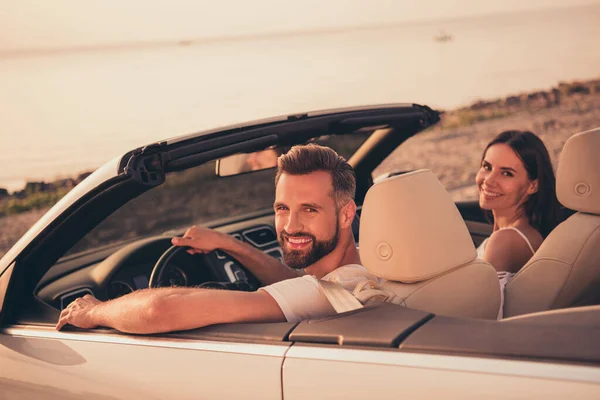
(509, 218)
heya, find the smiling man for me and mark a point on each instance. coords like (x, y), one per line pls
(314, 209)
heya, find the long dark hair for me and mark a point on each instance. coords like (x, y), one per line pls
(542, 208)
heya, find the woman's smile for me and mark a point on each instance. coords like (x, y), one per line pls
(489, 194)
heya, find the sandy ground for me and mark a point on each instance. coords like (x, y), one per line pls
(453, 153)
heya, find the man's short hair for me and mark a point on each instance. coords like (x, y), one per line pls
(305, 159)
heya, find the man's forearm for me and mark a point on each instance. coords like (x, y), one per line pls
(175, 309)
(267, 269)
(141, 312)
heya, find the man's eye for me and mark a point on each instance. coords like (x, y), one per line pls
(311, 210)
(280, 208)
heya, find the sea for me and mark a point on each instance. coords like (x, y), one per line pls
(66, 112)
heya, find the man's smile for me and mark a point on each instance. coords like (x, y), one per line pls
(298, 242)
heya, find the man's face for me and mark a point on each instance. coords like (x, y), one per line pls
(306, 218)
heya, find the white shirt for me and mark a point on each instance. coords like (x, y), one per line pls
(302, 298)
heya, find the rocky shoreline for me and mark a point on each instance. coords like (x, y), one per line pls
(452, 149)
(21, 201)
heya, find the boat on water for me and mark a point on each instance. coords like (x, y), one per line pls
(442, 36)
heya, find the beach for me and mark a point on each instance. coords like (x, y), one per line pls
(452, 149)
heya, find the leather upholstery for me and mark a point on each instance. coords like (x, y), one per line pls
(412, 222)
(413, 235)
(578, 174)
(470, 291)
(565, 271)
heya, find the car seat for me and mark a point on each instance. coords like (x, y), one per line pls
(565, 271)
(414, 237)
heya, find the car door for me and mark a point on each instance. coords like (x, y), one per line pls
(393, 352)
(36, 361)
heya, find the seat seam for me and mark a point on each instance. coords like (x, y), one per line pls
(436, 275)
(430, 280)
(569, 265)
(555, 259)
(515, 278)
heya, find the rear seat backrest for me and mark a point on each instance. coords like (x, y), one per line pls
(565, 271)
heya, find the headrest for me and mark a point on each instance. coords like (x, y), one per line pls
(578, 173)
(411, 230)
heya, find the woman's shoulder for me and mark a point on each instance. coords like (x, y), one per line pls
(508, 250)
(506, 238)
(529, 234)
(516, 236)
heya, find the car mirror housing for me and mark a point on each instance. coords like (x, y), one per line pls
(247, 162)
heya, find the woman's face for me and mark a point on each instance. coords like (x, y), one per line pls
(502, 180)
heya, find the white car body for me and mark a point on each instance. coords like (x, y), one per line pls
(414, 354)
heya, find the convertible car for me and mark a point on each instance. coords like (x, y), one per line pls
(111, 235)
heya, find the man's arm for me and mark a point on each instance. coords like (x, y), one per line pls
(171, 309)
(267, 269)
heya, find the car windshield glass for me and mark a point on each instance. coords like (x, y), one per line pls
(197, 196)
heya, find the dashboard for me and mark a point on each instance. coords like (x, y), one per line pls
(129, 268)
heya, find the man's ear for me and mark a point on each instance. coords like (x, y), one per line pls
(347, 214)
(533, 187)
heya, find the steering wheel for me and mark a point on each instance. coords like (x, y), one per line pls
(163, 262)
(161, 265)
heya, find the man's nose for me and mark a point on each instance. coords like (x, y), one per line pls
(293, 224)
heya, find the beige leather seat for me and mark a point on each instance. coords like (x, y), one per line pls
(565, 271)
(412, 235)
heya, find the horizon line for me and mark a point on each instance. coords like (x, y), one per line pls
(283, 34)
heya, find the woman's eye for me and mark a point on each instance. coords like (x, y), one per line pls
(506, 173)
(486, 167)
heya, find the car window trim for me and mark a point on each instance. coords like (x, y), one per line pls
(275, 349)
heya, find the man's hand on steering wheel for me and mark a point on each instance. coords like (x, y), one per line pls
(201, 240)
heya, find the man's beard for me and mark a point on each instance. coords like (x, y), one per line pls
(300, 260)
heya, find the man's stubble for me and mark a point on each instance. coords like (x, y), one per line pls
(300, 260)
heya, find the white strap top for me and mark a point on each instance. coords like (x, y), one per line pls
(481, 247)
(524, 238)
(504, 276)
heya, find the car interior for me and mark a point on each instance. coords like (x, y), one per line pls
(443, 301)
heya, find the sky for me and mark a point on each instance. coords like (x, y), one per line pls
(30, 25)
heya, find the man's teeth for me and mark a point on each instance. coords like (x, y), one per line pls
(490, 194)
(298, 240)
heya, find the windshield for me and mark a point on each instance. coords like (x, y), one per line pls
(197, 196)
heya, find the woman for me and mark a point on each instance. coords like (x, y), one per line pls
(517, 189)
